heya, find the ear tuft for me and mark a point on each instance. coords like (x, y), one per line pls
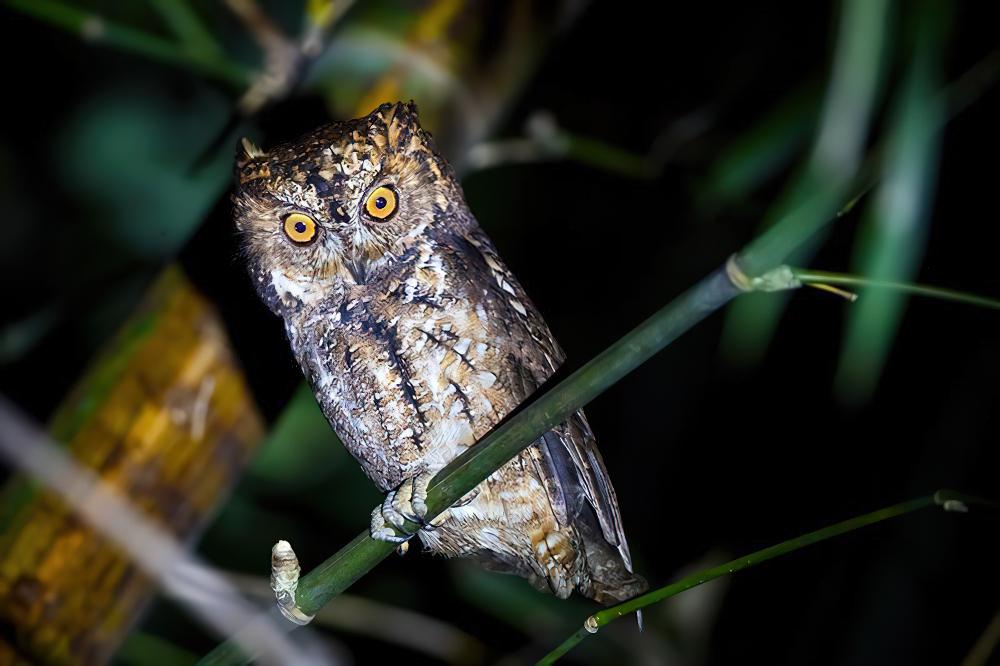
(246, 151)
(248, 162)
(401, 123)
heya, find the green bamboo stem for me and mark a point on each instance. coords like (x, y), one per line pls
(813, 277)
(947, 499)
(96, 29)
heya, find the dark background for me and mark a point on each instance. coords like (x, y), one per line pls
(711, 458)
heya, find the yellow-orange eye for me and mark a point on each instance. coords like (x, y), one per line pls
(381, 203)
(300, 228)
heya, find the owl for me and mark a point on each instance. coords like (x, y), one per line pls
(417, 340)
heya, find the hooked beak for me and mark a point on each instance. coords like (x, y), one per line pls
(359, 270)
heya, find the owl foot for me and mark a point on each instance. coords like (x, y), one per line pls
(407, 503)
(379, 528)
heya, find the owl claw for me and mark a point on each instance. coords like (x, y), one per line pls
(381, 532)
(417, 488)
(395, 508)
(407, 503)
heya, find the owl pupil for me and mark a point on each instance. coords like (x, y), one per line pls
(300, 227)
(380, 203)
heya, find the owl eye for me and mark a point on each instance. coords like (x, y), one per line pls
(381, 203)
(300, 228)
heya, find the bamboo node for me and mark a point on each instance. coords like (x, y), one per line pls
(956, 506)
(285, 573)
(780, 278)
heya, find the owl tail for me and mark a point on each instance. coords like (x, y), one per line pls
(611, 580)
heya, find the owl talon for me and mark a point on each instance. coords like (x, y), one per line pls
(418, 494)
(394, 508)
(382, 532)
(407, 503)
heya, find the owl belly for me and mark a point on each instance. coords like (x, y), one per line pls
(408, 391)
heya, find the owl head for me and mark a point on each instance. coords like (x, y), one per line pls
(341, 207)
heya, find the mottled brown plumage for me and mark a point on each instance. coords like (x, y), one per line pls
(417, 340)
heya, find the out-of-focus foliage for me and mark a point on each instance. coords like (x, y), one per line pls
(824, 182)
(893, 235)
(755, 158)
(120, 155)
(164, 416)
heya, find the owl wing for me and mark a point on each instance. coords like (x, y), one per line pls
(566, 458)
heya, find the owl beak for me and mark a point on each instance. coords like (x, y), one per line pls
(358, 269)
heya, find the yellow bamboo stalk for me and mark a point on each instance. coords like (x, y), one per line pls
(165, 416)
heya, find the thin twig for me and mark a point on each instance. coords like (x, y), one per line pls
(946, 499)
(285, 59)
(546, 140)
(817, 278)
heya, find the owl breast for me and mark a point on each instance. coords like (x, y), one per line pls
(414, 372)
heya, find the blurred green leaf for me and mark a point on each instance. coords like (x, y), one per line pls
(894, 233)
(764, 150)
(144, 649)
(302, 457)
(97, 29)
(514, 602)
(188, 27)
(19, 337)
(357, 56)
(819, 190)
(129, 153)
(300, 446)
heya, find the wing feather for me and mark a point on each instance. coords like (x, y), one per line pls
(570, 466)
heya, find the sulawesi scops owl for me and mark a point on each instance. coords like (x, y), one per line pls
(417, 340)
